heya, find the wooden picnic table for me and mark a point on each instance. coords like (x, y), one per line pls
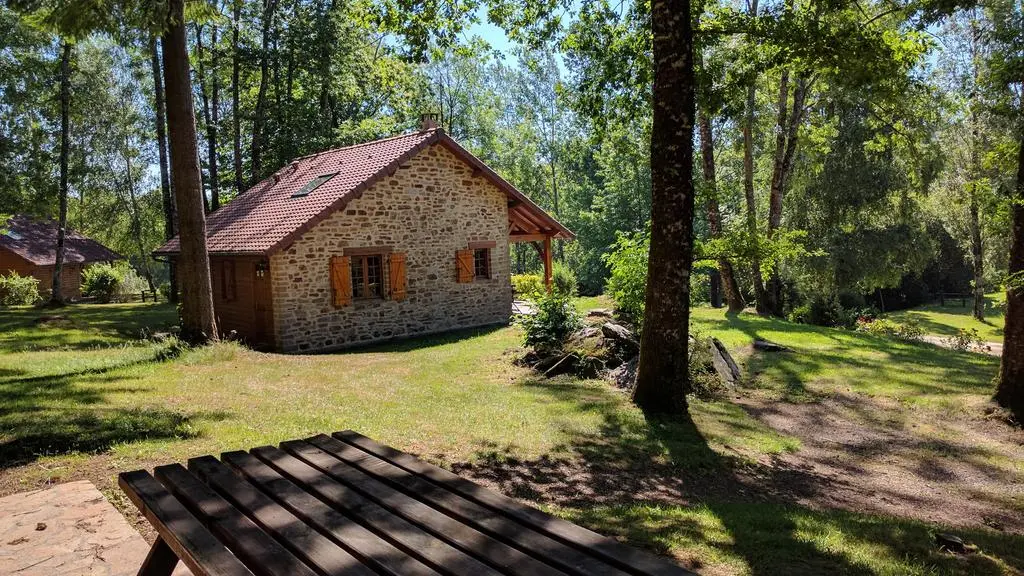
(344, 504)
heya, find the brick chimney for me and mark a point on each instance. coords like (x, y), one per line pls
(428, 121)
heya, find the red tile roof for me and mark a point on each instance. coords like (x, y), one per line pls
(267, 217)
(35, 240)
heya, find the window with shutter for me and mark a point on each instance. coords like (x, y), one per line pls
(341, 280)
(397, 279)
(464, 263)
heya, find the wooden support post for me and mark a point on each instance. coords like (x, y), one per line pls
(160, 561)
(547, 262)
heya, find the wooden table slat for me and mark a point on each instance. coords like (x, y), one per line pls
(315, 549)
(192, 542)
(360, 542)
(253, 546)
(488, 549)
(625, 557)
(389, 525)
(502, 527)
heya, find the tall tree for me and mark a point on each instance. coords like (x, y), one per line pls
(56, 295)
(197, 317)
(733, 297)
(260, 115)
(236, 110)
(211, 107)
(662, 379)
(760, 297)
(1010, 391)
(159, 109)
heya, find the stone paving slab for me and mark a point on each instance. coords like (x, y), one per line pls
(66, 530)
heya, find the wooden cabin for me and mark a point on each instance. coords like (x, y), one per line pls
(394, 238)
(28, 246)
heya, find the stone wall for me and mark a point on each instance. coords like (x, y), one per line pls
(430, 208)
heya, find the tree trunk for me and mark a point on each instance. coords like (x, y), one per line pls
(977, 259)
(662, 379)
(728, 278)
(170, 215)
(760, 302)
(236, 111)
(56, 295)
(787, 126)
(197, 316)
(259, 119)
(210, 110)
(136, 215)
(1010, 392)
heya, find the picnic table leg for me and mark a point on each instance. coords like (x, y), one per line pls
(160, 561)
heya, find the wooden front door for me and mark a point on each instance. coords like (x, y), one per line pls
(263, 324)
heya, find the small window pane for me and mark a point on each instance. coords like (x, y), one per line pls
(482, 262)
(358, 289)
(374, 276)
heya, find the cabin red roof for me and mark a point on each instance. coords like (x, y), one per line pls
(273, 213)
(35, 240)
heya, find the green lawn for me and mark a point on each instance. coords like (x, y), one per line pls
(947, 320)
(82, 397)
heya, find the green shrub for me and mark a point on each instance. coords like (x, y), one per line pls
(17, 290)
(628, 281)
(165, 291)
(563, 280)
(966, 339)
(909, 330)
(822, 310)
(102, 281)
(555, 320)
(528, 286)
(131, 284)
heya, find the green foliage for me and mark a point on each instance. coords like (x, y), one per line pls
(825, 310)
(17, 290)
(555, 320)
(704, 379)
(563, 280)
(103, 281)
(965, 339)
(528, 286)
(910, 329)
(628, 281)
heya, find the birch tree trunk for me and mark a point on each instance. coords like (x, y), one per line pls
(662, 378)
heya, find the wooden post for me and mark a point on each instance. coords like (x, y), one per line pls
(547, 262)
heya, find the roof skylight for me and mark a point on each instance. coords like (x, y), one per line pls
(313, 185)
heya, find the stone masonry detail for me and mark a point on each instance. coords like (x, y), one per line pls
(430, 208)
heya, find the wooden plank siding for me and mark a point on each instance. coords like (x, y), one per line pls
(239, 313)
(71, 281)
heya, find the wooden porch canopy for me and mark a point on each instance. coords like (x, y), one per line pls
(529, 223)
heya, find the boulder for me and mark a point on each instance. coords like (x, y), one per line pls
(620, 337)
(565, 365)
(624, 376)
(766, 346)
(724, 365)
(599, 313)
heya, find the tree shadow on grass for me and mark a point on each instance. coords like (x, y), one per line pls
(64, 413)
(656, 482)
(80, 326)
(411, 343)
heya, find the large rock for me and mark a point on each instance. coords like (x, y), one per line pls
(723, 362)
(624, 376)
(599, 313)
(621, 337)
(565, 365)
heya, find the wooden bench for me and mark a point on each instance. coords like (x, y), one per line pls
(344, 504)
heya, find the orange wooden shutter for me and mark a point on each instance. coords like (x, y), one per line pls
(341, 280)
(464, 259)
(397, 277)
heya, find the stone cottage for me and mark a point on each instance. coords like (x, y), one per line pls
(398, 237)
(28, 247)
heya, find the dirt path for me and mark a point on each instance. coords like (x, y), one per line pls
(860, 454)
(990, 348)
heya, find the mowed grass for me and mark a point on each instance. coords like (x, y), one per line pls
(947, 320)
(83, 397)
